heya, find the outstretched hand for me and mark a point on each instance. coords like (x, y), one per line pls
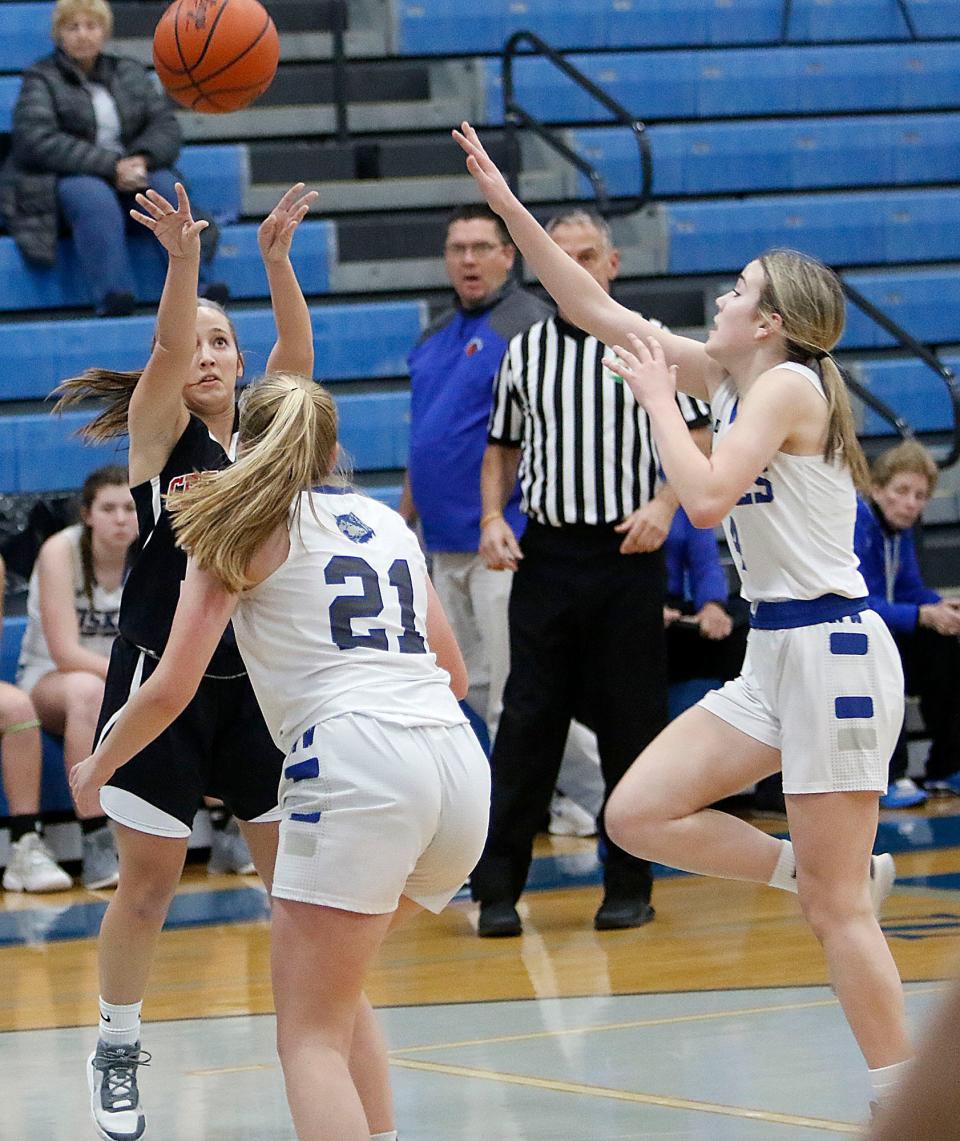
(485, 171)
(644, 369)
(277, 229)
(172, 226)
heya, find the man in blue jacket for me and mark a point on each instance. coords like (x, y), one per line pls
(924, 624)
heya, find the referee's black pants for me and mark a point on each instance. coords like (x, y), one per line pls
(586, 641)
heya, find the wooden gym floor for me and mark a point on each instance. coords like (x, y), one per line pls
(713, 1022)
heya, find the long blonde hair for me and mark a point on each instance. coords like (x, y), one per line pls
(809, 299)
(288, 436)
(116, 388)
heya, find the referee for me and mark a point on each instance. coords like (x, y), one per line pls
(586, 608)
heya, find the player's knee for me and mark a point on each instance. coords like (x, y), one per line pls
(631, 824)
(829, 908)
(15, 708)
(84, 693)
(146, 895)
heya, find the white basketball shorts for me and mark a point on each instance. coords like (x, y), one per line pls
(373, 811)
(828, 696)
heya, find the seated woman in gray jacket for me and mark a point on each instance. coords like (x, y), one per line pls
(90, 129)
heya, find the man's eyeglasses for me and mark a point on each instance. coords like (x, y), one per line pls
(479, 250)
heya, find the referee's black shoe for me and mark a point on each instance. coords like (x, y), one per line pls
(498, 921)
(617, 914)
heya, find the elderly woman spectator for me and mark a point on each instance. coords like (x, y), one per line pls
(90, 130)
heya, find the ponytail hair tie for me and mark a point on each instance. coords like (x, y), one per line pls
(821, 355)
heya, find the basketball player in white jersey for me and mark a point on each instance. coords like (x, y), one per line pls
(385, 791)
(819, 695)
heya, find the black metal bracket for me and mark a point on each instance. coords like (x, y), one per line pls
(516, 116)
(925, 354)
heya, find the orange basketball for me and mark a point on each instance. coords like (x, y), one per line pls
(215, 55)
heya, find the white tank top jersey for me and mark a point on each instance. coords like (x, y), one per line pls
(340, 627)
(97, 623)
(791, 535)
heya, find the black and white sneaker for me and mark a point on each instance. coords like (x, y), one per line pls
(114, 1097)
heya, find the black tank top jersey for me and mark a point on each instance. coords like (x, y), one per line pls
(158, 565)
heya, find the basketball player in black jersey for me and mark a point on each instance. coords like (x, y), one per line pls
(179, 414)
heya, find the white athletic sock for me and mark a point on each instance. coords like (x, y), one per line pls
(886, 1079)
(391, 1136)
(120, 1025)
(785, 873)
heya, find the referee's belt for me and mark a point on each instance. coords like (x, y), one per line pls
(804, 611)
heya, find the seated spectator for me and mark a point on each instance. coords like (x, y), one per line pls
(73, 604)
(706, 625)
(90, 130)
(30, 864)
(924, 625)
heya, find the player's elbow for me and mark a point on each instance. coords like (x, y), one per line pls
(706, 512)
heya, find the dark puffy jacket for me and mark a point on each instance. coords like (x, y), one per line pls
(54, 133)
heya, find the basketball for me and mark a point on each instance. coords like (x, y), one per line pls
(215, 55)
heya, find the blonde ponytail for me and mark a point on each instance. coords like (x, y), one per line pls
(841, 429)
(809, 299)
(288, 436)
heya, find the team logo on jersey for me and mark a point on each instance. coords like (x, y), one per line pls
(473, 346)
(181, 482)
(354, 528)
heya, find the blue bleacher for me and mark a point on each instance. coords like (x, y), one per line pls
(857, 228)
(362, 340)
(216, 177)
(237, 262)
(39, 452)
(911, 389)
(925, 302)
(679, 84)
(26, 35)
(710, 158)
(375, 429)
(435, 27)
(350, 342)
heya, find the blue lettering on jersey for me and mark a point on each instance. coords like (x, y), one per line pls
(345, 609)
(762, 493)
(354, 528)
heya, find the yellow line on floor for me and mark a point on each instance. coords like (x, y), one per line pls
(704, 1016)
(631, 1096)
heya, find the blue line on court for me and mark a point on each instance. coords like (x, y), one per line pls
(46, 923)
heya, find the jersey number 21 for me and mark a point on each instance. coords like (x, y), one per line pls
(369, 604)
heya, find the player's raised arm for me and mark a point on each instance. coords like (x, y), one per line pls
(577, 295)
(156, 416)
(293, 351)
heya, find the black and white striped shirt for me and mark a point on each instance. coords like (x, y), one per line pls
(587, 450)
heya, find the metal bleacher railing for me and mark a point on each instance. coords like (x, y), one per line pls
(927, 356)
(516, 116)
